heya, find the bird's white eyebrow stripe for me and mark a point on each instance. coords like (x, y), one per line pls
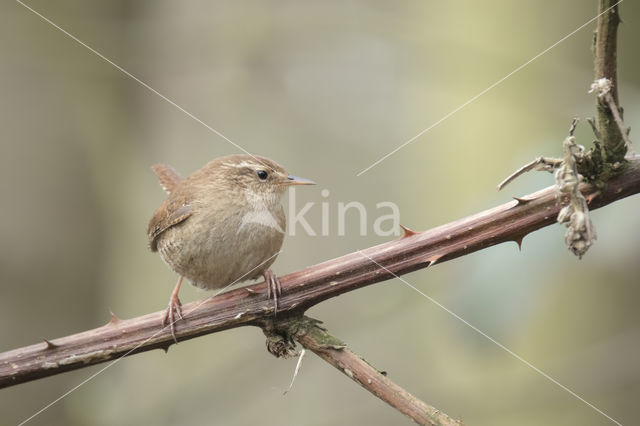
(240, 165)
(249, 164)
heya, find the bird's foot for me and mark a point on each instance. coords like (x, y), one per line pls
(174, 311)
(173, 314)
(273, 288)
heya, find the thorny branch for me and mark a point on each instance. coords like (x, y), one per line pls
(310, 286)
(312, 336)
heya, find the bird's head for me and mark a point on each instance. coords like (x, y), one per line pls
(257, 175)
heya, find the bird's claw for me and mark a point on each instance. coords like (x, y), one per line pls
(273, 288)
(172, 315)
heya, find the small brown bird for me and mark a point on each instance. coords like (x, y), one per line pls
(221, 225)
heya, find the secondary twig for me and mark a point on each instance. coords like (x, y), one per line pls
(540, 164)
(624, 131)
(605, 64)
(309, 334)
(603, 87)
(305, 288)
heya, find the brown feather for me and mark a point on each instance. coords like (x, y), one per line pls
(172, 212)
(168, 176)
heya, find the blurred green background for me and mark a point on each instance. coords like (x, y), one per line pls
(324, 88)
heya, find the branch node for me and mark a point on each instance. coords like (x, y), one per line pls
(580, 231)
(281, 332)
(600, 87)
(281, 346)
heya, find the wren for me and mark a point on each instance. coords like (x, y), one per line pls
(221, 225)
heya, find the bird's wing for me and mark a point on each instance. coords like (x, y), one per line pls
(168, 176)
(173, 211)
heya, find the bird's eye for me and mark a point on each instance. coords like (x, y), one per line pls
(262, 174)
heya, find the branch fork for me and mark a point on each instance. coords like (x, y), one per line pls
(580, 233)
(282, 335)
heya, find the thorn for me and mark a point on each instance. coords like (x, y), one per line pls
(251, 291)
(407, 232)
(165, 348)
(522, 201)
(49, 345)
(433, 259)
(592, 197)
(518, 241)
(114, 319)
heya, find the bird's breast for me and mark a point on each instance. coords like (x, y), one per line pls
(213, 250)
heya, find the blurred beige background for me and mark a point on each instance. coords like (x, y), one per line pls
(324, 88)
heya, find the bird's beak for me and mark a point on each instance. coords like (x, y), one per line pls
(295, 180)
